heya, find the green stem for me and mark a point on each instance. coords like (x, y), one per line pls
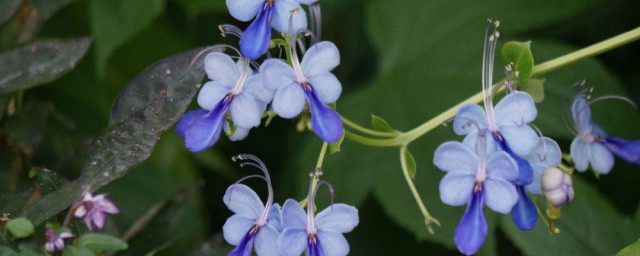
(359, 128)
(410, 136)
(428, 219)
(317, 172)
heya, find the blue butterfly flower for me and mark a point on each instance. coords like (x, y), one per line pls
(545, 154)
(234, 89)
(309, 83)
(319, 234)
(475, 179)
(593, 146)
(268, 13)
(508, 124)
(254, 224)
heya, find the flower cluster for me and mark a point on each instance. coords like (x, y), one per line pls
(500, 159)
(240, 92)
(287, 231)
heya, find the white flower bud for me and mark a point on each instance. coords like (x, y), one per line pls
(557, 187)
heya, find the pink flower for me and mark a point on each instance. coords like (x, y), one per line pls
(55, 241)
(92, 210)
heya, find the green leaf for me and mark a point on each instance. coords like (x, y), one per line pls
(380, 124)
(20, 227)
(195, 7)
(6, 251)
(101, 242)
(535, 88)
(410, 162)
(150, 105)
(335, 147)
(158, 226)
(48, 180)
(52, 203)
(116, 21)
(589, 226)
(47, 8)
(631, 250)
(74, 250)
(7, 8)
(520, 55)
(39, 62)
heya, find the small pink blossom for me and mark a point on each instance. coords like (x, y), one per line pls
(92, 210)
(55, 241)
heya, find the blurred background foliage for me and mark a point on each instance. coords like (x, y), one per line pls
(403, 60)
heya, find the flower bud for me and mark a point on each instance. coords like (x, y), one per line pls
(557, 187)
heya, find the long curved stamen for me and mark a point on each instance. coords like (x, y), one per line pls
(221, 47)
(237, 89)
(291, 40)
(491, 41)
(243, 179)
(567, 102)
(316, 19)
(542, 157)
(615, 97)
(251, 160)
(227, 29)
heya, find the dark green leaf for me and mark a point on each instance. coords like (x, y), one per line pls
(116, 21)
(144, 110)
(335, 147)
(410, 162)
(74, 250)
(101, 242)
(588, 226)
(380, 124)
(158, 226)
(52, 204)
(6, 251)
(177, 75)
(47, 8)
(49, 180)
(39, 62)
(20, 227)
(520, 55)
(631, 250)
(195, 7)
(7, 8)
(535, 87)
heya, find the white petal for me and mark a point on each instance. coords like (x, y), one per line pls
(289, 101)
(456, 188)
(580, 154)
(338, 217)
(333, 243)
(282, 13)
(326, 86)
(236, 227)
(320, 58)
(516, 108)
(601, 159)
(245, 111)
(244, 10)
(242, 199)
(275, 74)
(220, 67)
(455, 156)
(500, 195)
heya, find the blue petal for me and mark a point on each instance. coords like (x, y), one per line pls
(211, 93)
(292, 241)
(471, 140)
(220, 67)
(245, 111)
(456, 188)
(293, 216)
(580, 154)
(244, 248)
(266, 241)
(581, 114)
(501, 165)
(275, 217)
(524, 213)
(325, 121)
(525, 172)
(326, 86)
(242, 199)
(337, 217)
(256, 39)
(521, 139)
(322, 57)
(332, 243)
(289, 100)
(254, 87)
(546, 152)
(469, 118)
(501, 195)
(236, 227)
(276, 74)
(601, 159)
(187, 119)
(536, 187)
(307, 2)
(516, 108)
(239, 134)
(244, 10)
(314, 248)
(205, 130)
(472, 230)
(453, 156)
(282, 13)
(627, 150)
